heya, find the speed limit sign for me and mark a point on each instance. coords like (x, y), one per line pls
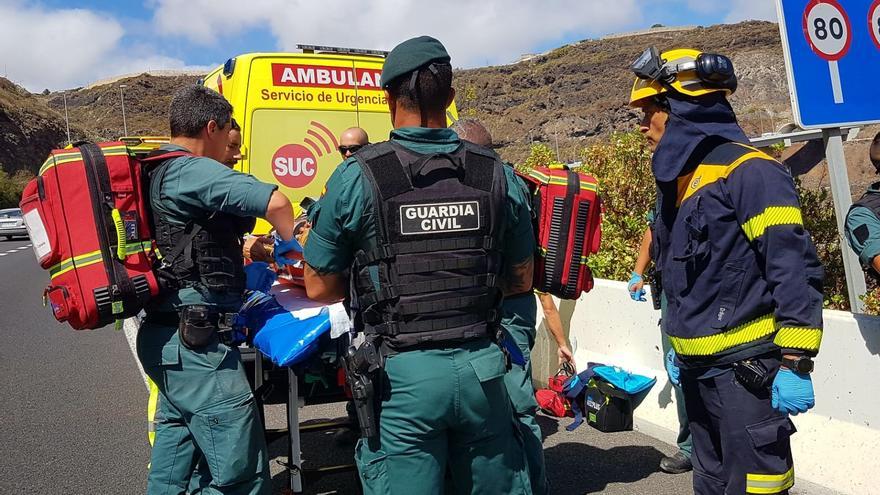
(874, 22)
(829, 34)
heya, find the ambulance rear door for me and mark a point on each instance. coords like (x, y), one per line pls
(297, 107)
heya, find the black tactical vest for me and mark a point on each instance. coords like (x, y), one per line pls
(205, 251)
(870, 200)
(434, 275)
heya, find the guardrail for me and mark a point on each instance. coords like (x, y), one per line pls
(835, 446)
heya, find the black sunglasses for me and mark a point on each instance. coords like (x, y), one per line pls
(350, 149)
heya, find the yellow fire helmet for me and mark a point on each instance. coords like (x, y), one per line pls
(686, 71)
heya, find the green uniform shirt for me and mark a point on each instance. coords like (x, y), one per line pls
(193, 185)
(343, 220)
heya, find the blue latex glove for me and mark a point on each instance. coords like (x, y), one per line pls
(636, 295)
(259, 276)
(516, 355)
(672, 368)
(282, 247)
(792, 392)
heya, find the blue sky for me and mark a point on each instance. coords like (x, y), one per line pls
(59, 44)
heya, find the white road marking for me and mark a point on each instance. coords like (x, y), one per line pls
(2, 254)
(130, 327)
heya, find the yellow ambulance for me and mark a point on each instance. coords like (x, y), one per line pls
(292, 107)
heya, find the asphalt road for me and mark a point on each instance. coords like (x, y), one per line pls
(72, 414)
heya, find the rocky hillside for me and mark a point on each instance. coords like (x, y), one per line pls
(28, 129)
(579, 92)
(98, 109)
(567, 97)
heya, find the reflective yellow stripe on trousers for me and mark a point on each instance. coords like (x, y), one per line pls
(769, 483)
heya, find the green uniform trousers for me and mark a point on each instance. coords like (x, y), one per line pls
(519, 323)
(444, 409)
(206, 410)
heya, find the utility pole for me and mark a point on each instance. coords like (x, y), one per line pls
(66, 117)
(122, 99)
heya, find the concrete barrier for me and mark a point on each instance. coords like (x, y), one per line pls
(835, 442)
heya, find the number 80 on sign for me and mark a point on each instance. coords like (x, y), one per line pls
(829, 33)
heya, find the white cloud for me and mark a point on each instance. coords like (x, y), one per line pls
(61, 48)
(744, 10)
(473, 32)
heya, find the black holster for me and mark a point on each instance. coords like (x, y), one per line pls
(200, 323)
(753, 375)
(362, 366)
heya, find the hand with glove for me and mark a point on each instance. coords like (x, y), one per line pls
(792, 392)
(636, 287)
(283, 247)
(672, 368)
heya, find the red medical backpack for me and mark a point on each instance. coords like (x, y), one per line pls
(568, 228)
(87, 214)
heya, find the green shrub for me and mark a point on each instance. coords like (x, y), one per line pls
(11, 187)
(622, 165)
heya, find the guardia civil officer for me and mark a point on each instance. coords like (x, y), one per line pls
(740, 274)
(863, 222)
(201, 209)
(433, 231)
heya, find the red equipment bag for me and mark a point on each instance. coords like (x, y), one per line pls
(553, 401)
(568, 229)
(87, 215)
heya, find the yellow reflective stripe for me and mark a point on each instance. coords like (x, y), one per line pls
(562, 181)
(76, 262)
(769, 483)
(772, 216)
(807, 339)
(68, 157)
(708, 173)
(713, 344)
(152, 405)
(142, 247)
(58, 160)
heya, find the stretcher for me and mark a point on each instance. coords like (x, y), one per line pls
(314, 379)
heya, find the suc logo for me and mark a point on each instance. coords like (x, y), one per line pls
(294, 165)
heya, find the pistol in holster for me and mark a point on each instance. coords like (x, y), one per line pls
(199, 323)
(362, 366)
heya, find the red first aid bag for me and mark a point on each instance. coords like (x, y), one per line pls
(88, 219)
(568, 229)
(552, 400)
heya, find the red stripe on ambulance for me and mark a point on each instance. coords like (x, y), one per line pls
(319, 76)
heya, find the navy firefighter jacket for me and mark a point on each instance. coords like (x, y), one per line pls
(739, 271)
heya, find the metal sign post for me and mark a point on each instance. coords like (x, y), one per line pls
(855, 278)
(832, 58)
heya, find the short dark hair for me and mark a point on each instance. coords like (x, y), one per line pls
(192, 107)
(235, 126)
(431, 91)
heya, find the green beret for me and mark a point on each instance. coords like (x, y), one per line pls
(410, 55)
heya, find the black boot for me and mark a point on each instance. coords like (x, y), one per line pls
(676, 464)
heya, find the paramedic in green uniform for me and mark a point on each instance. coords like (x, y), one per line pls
(206, 408)
(443, 402)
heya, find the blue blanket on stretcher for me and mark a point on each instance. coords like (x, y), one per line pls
(279, 334)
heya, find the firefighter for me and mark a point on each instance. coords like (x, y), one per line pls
(432, 230)
(740, 274)
(863, 220)
(201, 209)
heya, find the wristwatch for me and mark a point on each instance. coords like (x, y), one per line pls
(800, 364)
